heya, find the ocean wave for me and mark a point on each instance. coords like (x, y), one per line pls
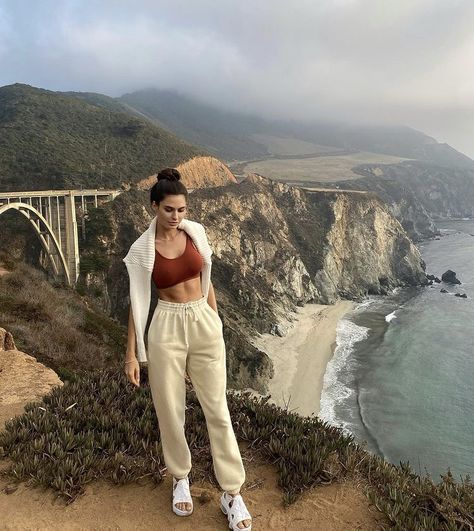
(362, 306)
(391, 316)
(335, 390)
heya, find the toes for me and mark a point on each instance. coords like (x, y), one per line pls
(183, 506)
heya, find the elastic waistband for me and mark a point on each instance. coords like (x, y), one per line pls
(179, 306)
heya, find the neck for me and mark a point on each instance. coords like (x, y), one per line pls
(166, 233)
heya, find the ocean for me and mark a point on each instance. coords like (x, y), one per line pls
(402, 374)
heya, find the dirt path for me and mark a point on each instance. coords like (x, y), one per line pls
(106, 507)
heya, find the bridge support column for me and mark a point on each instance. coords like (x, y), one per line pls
(72, 245)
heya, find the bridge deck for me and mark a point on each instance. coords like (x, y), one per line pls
(57, 193)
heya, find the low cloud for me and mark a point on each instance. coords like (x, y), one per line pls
(358, 60)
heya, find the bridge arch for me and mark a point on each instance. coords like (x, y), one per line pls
(42, 229)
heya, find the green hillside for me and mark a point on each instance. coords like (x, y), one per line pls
(56, 140)
(225, 134)
(239, 136)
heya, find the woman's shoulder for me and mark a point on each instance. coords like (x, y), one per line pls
(198, 233)
(193, 227)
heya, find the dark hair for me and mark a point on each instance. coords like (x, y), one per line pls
(168, 183)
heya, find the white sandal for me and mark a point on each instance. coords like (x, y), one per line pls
(181, 494)
(236, 511)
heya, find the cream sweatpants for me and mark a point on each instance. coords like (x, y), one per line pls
(188, 336)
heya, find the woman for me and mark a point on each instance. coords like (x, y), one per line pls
(185, 335)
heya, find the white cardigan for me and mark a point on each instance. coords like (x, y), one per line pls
(140, 260)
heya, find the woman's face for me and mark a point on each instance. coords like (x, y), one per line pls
(170, 211)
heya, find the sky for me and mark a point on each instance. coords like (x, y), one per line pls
(408, 62)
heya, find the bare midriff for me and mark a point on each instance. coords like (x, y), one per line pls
(189, 290)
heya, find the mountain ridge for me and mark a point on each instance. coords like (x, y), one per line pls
(232, 135)
(54, 140)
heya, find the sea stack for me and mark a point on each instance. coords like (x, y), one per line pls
(450, 277)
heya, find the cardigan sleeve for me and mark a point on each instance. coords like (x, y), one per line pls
(207, 267)
(206, 240)
(140, 297)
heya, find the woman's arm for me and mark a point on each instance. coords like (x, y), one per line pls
(211, 298)
(131, 340)
(132, 368)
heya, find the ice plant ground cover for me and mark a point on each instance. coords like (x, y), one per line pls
(98, 426)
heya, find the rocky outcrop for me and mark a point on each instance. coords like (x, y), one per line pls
(22, 378)
(6, 340)
(450, 277)
(198, 172)
(275, 247)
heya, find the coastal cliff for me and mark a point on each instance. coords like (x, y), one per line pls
(368, 252)
(275, 247)
(418, 193)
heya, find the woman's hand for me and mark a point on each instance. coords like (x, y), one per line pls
(132, 370)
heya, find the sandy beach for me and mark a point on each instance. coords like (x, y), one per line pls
(301, 356)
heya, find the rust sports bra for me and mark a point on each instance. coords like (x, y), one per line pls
(168, 272)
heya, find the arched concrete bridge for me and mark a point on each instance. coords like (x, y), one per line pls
(52, 214)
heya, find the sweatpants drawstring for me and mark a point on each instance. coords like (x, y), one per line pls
(187, 311)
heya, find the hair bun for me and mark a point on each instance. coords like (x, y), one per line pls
(169, 174)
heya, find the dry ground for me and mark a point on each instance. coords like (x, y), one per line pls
(145, 507)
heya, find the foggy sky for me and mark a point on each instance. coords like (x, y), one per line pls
(405, 62)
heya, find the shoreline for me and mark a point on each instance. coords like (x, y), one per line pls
(300, 357)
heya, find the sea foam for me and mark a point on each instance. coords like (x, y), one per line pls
(364, 304)
(335, 390)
